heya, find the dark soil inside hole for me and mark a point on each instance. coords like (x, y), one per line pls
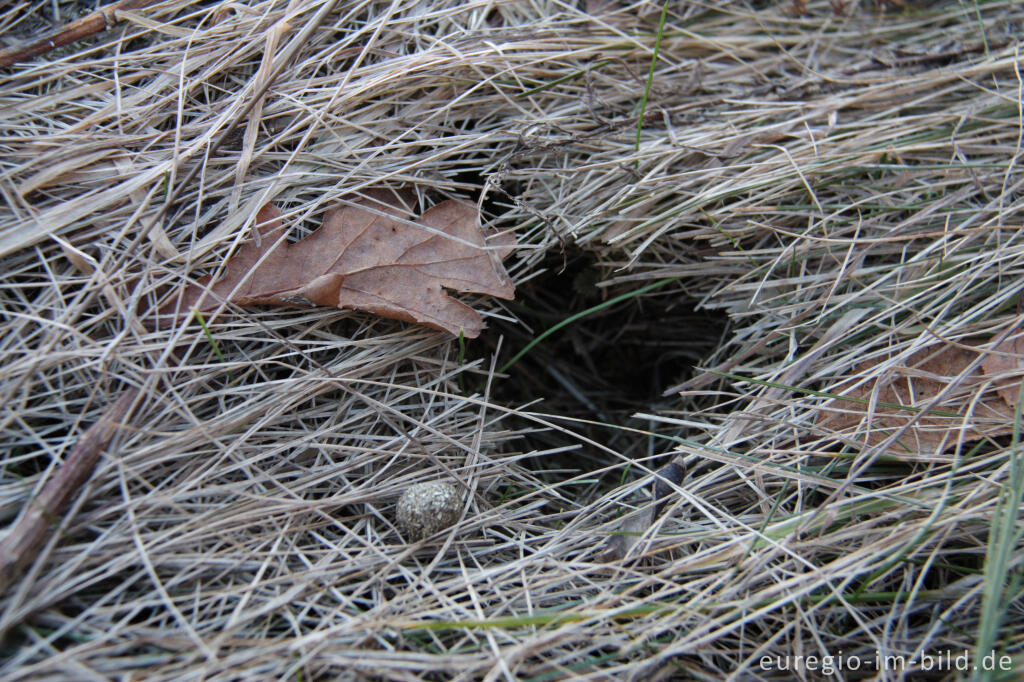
(604, 367)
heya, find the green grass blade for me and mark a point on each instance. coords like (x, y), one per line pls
(1004, 537)
(206, 332)
(650, 75)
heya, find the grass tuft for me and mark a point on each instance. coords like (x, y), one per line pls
(826, 193)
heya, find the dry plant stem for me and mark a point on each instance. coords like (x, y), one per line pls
(20, 546)
(91, 24)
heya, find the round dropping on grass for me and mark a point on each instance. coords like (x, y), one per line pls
(427, 508)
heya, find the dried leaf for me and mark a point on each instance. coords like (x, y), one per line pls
(914, 385)
(366, 256)
(633, 527)
(1005, 364)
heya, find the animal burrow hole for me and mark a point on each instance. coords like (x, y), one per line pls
(594, 374)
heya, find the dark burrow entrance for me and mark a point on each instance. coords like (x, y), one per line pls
(600, 369)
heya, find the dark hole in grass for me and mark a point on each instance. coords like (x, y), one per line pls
(602, 368)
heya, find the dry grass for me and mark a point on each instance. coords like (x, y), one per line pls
(844, 186)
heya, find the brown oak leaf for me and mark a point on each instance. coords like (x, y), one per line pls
(366, 256)
(901, 391)
(1005, 365)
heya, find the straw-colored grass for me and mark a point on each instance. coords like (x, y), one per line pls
(845, 185)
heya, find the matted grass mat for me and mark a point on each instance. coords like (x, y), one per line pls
(770, 226)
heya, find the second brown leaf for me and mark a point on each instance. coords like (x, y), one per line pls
(980, 404)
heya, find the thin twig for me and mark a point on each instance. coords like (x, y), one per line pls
(83, 27)
(21, 545)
